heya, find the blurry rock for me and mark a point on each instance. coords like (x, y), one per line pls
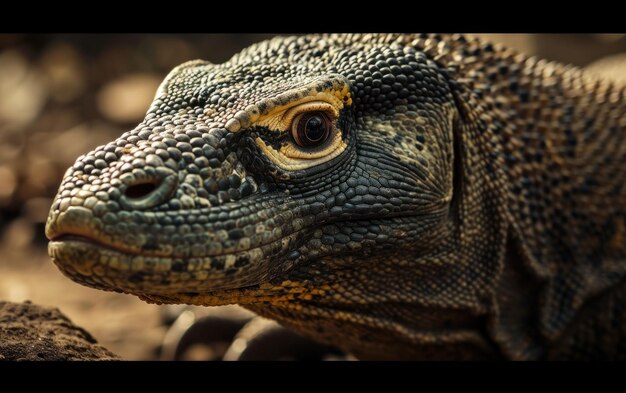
(7, 183)
(36, 209)
(121, 57)
(610, 67)
(37, 177)
(11, 142)
(31, 332)
(22, 91)
(523, 43)
(609, 38)
(63, 69)
(126, 100)
(64, 147)
(48, 154)
(18, 234)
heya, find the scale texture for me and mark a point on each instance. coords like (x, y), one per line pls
(398, 196)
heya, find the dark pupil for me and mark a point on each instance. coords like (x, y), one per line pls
(314, 129)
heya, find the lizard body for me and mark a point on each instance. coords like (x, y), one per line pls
(399, 196)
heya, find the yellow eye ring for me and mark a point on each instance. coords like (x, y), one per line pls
(305, 150)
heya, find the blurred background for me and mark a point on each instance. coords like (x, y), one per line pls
(62, 95)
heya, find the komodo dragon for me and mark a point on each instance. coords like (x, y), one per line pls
(399, 196)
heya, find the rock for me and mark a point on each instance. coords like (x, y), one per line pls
(32, 332)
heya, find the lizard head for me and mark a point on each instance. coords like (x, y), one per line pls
(305, 177)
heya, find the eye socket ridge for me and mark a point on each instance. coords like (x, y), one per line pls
(311, 129)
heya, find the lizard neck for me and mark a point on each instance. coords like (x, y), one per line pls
(554, 140)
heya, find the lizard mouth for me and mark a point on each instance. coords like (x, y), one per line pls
(100, 266)
(91, 262)
(71, 239)
(84, 256)
(156, 279)
(67, 239)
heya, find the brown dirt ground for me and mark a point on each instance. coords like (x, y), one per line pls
(123, 324)
(32, 332)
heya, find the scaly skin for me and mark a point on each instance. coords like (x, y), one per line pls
(469, 202)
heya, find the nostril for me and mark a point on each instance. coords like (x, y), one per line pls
(141, 190)
(149, 191)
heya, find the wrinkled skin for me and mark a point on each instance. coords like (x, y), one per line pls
(453, 211)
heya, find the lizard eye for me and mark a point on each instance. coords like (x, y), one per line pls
(311, 136)
(311, 129)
